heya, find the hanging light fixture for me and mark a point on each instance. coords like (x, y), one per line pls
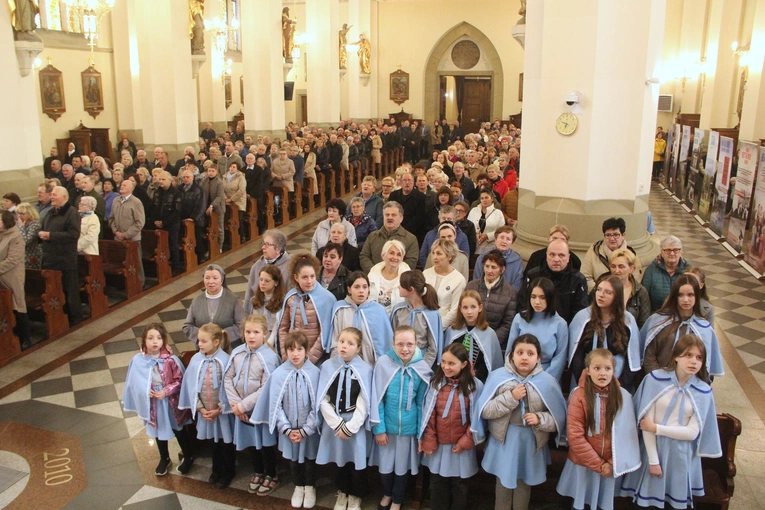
(89, 13)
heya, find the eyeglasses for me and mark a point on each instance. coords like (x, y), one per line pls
(670, 251)
(613, 236)
(272, 245)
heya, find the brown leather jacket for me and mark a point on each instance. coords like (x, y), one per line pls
(449, 430)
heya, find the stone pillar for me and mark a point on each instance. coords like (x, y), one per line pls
(753, 111)
(359, 87)
(21, 165)
(211, 92)
(127, 72)
(604, 168)
(691, 39)
(263, 67)
(322, 52)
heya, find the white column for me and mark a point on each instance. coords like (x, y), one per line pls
(211, 92)
(691, 37)
(262, 64)
(359, 92)
(322, 52)
(127, 69)
(753, 111)
(21, 165)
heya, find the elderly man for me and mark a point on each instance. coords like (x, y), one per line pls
(459, 176)
(78, 166)
(193, 207)
(165, 214)
(392, 229)
(128, 218)
(662, 272)
(570, 284)
(157, 153)
(207, 134)
(275, 253)
(59, 235)
(338, 235)
(140, 160)
(47, 170)
(67, 181)
(413, 203)
(373, 203)
(504, 237)
(230, 156)
(180, 165)
(43, 204)
(445, 214)
(473, 167)
(538, 258)
(595, 261)
(86, 187)
(165, 165)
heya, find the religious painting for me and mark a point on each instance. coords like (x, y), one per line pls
(399, 87)
(520, 87)
(227, 90)
(52, 92)
(92, 92)
(241, 89)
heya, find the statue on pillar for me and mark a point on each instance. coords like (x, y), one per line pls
(522, 12)
(343, 39)
(23, 14)
(197, 26)
(365, 54)
(288, 35)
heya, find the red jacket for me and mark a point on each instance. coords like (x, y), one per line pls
(500, 187)
(449, 430)
(511, 178)
(585, 450)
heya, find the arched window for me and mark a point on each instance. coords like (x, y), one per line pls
(233, 19)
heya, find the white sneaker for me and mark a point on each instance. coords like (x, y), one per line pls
(297, 497)
(342, 501)
(354, 503)
(309, 498)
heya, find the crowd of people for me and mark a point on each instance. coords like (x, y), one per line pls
(412, 332)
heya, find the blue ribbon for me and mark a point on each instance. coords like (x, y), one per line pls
(681, 394)
(300, 385)
(688, 325)
(596, 411)
(245, 363)
(344, 380)
(157, 362)
(213, 373)
(404, 371)
(449, 404)
(300, 302)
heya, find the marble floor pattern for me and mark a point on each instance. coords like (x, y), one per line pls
(111, 460)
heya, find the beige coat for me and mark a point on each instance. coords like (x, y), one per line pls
(285, 171)
(310, 171)
(12, 269)
(235, 189)
(90, 228)
(593, 266)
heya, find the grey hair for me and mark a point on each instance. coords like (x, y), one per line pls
(370, 178)
(671, 240)
(445, 209)
(394, 204)
(357, 200)
(280, 240)
(89, 202)
(390, 244)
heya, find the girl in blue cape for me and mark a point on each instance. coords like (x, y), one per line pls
(248, 369)
(602, 435)
(680, 315)
(288, 405)
(521, 405)
(307, 308)
(541, 319)
(604, 324)
(203, 393)
(446, 440)
(399, 385)
(420, 311)
(152, 386)
(344, 395)
(268, 297)
(678, 421)
(368, 316)
(471, 329)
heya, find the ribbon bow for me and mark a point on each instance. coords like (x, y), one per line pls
(407, 370)
(300, 303)
(213, 372)
(246, 366)
(682, 395)
(463, 413)
(301, 386)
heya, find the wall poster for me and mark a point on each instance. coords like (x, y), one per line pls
(695, 174)
(754, 245)
(707, 186)
(722, 181)
(742, 196)
(674, 158)
(682, 164)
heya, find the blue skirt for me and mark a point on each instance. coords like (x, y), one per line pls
(681, 476)
(166, 422)
(587, 487)
(445, 462)
(221, 429)
(517, 458)
(399, 455)
(333, 450)
(248, 434)
(299, 452)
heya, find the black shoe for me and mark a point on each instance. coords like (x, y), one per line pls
(185, 466)
(223, 483)
(162, 467)
(26, 344)
(214, 477)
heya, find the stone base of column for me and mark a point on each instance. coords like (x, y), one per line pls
(584, 220)
(22, 182)
(273, 133)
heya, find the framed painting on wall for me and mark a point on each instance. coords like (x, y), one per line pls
(52, 92)
(92, 92)
(399, 87)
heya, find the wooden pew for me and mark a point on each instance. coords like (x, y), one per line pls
(357, 173)
(322, 186)
(719, 473)
(284, 203)
(232, 226)
(342, 182)
(308, 193)
(188, 244)
(332, 184)
(297, 200)
(9, 342)
(93, 283)
(251, 217)
(121, 259)
(400, 157)
(44, 295)
(270, 221)
(155, 253)
(212, 236)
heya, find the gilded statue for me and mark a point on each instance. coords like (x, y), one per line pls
(197, 26)
(23, 14)
(288, 35)
(522, 12)
(365, 54)
(343, 40)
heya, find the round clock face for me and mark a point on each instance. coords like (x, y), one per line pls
(566, 123)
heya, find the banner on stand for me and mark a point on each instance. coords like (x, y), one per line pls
(682, 164)
(754, 239)
(695, 175)
(724, 162)
(742, 196)
(674, 157)
(707, 185)
(668, 157)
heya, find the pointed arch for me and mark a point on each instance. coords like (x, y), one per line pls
(431, 91)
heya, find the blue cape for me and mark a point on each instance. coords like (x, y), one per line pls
(486, 340)
(435, 324)
(543, 383)
(659, 382)
(430, 403)
(697, 325)
(386, 369)
(329, 371)
(373, 321)
(576, 328)
(269, 360)
(323, 301)
(273, 392)
(192, 382)
(138, 384)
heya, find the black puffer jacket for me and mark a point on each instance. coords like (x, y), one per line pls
(193, 204)
(166, 206)
(570, 289)
(499, 304)
(60, 251)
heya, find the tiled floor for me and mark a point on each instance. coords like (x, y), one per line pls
(82, 397)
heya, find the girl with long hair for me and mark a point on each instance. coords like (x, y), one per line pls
(420, 311)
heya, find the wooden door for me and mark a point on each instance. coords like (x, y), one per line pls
(303, 108)
(476, 105)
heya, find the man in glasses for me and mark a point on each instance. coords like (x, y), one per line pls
(662, 273)
(596, 263)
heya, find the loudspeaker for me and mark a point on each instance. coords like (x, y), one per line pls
(289, 89)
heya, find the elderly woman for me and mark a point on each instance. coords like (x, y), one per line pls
(337, 235)
(333, 274)
(500, 300)
(335, 212)
(235, 189)
(448, 282)
(623, 264)
(363, 223)
(90, 227)
(118, 175)
(215, 198)
(12, 273)
(486, 219)
(216, 304)
(143, 178)
(126, 160)
(662, 272)
(154, 184)
(28, 221)
(10, 201)
(384, 276)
